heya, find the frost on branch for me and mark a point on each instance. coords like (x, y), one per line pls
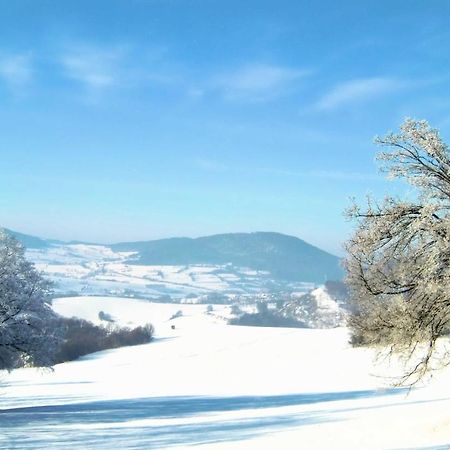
(29, 334)
(419, 155)
(398, 259)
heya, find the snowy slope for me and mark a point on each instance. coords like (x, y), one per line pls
(98, 270)
(214, 386)
(317, 309)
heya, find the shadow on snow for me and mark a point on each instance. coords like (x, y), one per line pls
(100, 424)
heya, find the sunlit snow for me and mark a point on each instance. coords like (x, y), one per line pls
(209, 385)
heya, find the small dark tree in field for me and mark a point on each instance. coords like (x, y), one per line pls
(398, 263)
(29, 332)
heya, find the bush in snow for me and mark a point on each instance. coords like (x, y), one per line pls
(176, 315)
(29, 334)
(105, 316)
(82, 337)
(266, 319)
(123, 337)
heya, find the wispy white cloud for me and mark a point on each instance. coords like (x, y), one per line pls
(101, 69)
(210, 165)
(257, 81)
(357, 91)
(95, 68)
(16, 69)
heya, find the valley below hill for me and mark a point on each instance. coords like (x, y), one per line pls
(241, 269)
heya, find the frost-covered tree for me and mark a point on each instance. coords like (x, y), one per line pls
(398, 259)
(29, 332)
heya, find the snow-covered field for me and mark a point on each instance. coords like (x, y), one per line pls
(208, 385)
(98, 270)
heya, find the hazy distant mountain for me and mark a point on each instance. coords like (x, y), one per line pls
(33, 242)
(284, 257)
(29, 241)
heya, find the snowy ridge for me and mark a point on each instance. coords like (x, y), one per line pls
(99, 270)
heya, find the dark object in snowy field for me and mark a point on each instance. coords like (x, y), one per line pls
(105, 316)
(173, 327)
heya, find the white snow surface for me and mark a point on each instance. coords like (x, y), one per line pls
(208, 385)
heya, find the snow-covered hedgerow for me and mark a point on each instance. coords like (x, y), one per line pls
(83, 337)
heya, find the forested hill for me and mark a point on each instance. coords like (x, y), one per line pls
(284, 257)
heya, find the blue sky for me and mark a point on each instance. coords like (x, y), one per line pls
(140, 119)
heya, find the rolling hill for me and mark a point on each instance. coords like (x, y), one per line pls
(285, 257)
(239, 263)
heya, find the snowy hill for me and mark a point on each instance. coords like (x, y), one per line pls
(232, 264)
(284, 257)
(130, 269)
(218, 387)
(323, 307)
(98, 270)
